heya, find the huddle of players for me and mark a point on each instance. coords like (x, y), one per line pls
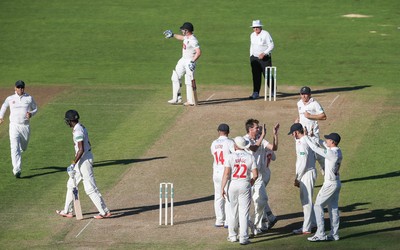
(245, 163)
(241, 172)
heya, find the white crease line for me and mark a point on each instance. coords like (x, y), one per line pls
(334, 100)
(84, 228)
(210, 97)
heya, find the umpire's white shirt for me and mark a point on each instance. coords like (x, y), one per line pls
(261, 43)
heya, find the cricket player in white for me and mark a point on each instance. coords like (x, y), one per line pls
(22, 108)
(329, 192)
(258, 148)
(220, 149)
(82, 169)
(310, 112)
(239, 167)
(306, 175)
(186, 65)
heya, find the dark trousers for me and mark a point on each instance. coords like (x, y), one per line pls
(258, 70)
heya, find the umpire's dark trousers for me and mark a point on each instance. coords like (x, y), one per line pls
(258, 69)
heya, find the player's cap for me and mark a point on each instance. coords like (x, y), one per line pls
(20, 84)
(305, 90)
(334, 137)
(223, 127)
(187, 26)
(241, 142)
(256, 23)
(295, 127)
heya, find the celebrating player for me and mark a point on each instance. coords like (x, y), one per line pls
(305, 177)
(22, 108)
(239, 166)
(220, 149)
(82, 169)
(328, 195)
(310, 112)
(186, 65)
(261, 149)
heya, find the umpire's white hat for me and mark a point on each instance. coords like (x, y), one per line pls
(256, 23)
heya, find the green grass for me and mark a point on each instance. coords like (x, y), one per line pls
(116, 65)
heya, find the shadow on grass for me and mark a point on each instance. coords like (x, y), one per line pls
(372, 177)
(122, 212)
(362, 218)
(104, 163)
(280, 95)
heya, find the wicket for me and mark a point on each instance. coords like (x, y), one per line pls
(164, 190)
(270, 75)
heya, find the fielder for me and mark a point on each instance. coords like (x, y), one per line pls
(186, 65)
(259, 148)
(310, 112)
(220, 149)
(81, 169)
(328, 195)
(239, 167)
(306, 175)
(22, 108)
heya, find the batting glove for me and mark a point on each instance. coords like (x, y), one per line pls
(70, 170)
(192, 66)
(168, 34)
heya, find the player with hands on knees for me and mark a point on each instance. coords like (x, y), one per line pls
(186, 65)
(81, 169)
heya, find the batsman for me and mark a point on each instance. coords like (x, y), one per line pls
(81, 169)
(186, 65)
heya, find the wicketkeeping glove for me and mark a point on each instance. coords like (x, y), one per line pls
(192, 66)
(168, 34)
(70, 170)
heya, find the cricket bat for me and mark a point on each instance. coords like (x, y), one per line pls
(77, 203)
(196, 100)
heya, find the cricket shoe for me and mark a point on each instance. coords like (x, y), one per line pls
(63, 214)
(300, 231)
(232, 239)
(257, 231)
(100, 216)
(316, 238)
(272, 223)
(245, 242)
(254, 96)
(332, 238)
(188, 104)
(172, 101)
(18, 175)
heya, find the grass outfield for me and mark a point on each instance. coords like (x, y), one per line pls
(109, 60)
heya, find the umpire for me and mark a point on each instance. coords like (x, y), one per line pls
(261, 46)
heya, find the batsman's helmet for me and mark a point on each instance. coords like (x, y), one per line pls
(187, 26)
(71, 115)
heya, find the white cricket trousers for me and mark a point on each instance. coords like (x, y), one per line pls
(182, 69)
(239, 200)
(221, 206)
(19, 139)
(260, 199)
(307, 183)
(328, 196)
(84, 172)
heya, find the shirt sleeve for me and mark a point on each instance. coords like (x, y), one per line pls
(270, 44)
(301, 162)
(4, 108)
(33, 107)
